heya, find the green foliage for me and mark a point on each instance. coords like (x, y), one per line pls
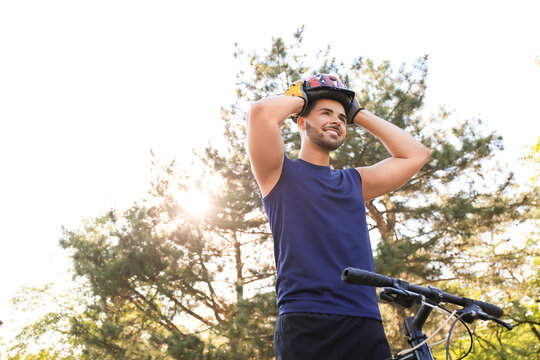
(50, 333)
(163, 283)
(251, 325)
(446, 221)
(181, 346)
(152, 265)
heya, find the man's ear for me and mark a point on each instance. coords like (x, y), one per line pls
(301, 121)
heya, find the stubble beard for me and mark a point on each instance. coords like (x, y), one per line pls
(321, 141)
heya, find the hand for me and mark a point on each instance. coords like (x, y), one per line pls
(354, 109)
(297, 89)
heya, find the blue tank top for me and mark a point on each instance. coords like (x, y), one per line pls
(318, 221)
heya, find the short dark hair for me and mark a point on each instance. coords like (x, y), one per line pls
(310, 106)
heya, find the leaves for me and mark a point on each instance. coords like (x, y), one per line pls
(162, 283)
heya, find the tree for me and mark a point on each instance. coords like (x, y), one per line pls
(50, 333)
(161, 275)
(441, 223)
(515, 279)
(165, 283)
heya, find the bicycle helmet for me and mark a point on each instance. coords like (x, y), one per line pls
(325, 86)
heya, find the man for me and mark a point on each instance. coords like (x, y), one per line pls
(318, 219)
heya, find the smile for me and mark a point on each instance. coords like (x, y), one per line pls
(332, 130)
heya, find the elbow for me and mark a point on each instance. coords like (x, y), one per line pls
(420, 156)
(258, 110)
(425, 155)
(259, 105)
(256, 106)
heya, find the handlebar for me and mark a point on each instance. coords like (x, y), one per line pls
(368, 278)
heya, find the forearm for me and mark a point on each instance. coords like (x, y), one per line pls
(399, 143)
(277, 109)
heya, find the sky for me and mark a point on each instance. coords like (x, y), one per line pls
(87, 88)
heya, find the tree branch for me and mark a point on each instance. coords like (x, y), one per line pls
(376, 215)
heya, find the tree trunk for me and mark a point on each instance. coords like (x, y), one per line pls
(239, 284)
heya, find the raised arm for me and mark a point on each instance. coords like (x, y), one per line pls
(408, 156)
(265, 143)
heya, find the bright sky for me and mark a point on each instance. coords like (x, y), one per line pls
(87, 88)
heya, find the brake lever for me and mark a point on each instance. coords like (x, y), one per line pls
(473, 312)
(400, 296)
(502, 323)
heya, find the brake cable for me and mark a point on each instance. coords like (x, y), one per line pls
(448, 356)
(406, 351)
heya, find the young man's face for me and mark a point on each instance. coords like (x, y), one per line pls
(326, 124)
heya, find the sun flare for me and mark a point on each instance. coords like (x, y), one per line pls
(194, 202)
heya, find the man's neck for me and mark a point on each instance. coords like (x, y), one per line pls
(314, 155)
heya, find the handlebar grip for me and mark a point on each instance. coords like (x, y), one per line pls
(364, 277)
(490, 309)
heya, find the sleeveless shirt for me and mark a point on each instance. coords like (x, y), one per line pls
(318, 222)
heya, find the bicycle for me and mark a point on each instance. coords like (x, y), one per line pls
(428, 298)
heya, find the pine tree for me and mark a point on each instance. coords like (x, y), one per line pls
(440, 225)
(165, 283)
